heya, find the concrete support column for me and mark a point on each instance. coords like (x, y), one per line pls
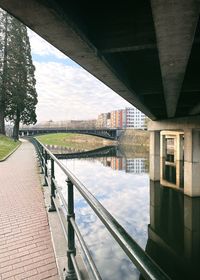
(163, 151)
(179, 147)
(192, 162)
(155, 155)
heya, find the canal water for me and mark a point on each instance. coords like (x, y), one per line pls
(159, 219)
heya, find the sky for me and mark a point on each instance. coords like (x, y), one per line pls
(65, 90)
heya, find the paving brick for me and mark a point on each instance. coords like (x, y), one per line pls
(26, 251)
(27, 274)
(12, 273)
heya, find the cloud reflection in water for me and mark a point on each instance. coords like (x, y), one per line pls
(126, 197)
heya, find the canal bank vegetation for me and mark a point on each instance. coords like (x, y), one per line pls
(7, 146)
(78, 141)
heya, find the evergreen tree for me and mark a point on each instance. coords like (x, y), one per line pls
(3, 67)
(18, 71)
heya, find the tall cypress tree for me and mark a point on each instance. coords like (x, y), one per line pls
(3, 67)
(20, 93)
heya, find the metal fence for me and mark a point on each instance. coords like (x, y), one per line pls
(147, 267)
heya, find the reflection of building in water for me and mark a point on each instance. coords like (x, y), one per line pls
(174, 232)
(129, 165)
(114, 162)
(171, 162)
(118, 163)
(136, 165)
(175, 157)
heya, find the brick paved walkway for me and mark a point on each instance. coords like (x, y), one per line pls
(26, 250)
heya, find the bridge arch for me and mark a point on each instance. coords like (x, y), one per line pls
(111, 134)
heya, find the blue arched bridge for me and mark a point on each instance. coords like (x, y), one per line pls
(112, 134)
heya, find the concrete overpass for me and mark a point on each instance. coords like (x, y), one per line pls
(145, 50)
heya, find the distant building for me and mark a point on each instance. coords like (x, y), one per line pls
(134, 118)
(113, 119)
(127, 118)
(123, 118)
(102, 120)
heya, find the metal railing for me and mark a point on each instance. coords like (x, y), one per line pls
(147, 267)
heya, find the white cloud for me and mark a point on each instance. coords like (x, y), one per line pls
(126, 197)
(41, 47)
(66, 92)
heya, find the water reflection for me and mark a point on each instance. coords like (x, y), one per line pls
(174, 232)
(110, 156)
(168, 227)
(172, 160)
(125, 195)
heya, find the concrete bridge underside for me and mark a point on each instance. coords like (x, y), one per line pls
(146, 51)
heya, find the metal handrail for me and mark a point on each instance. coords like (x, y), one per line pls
(147, 267)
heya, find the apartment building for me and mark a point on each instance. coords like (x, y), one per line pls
(134, 118)
(103, 120)
(123, 118)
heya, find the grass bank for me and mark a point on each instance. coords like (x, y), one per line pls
(73, 140)
(7, 146)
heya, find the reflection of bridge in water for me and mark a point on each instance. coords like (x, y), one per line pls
(110, 156)
(108, 151)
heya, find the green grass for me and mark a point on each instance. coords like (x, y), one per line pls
(60, 139)
(72, 140)
(7, 145)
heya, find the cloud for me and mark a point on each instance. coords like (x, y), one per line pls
(67, 92)
(126, 197)
(41, 47)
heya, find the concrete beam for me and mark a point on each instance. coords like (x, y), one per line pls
(52, 23)
(129, 49)
(175, 24)
(195, 110)
(175, 124)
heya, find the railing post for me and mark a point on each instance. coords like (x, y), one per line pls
(39, 152)
(71, 240)
(42, 158)
(52, 207)
(45, 168)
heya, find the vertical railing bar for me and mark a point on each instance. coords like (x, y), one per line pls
(45, 169)
(42, 159)
(82, 242)
(52, 206)
(70, 231)
(80, 238)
